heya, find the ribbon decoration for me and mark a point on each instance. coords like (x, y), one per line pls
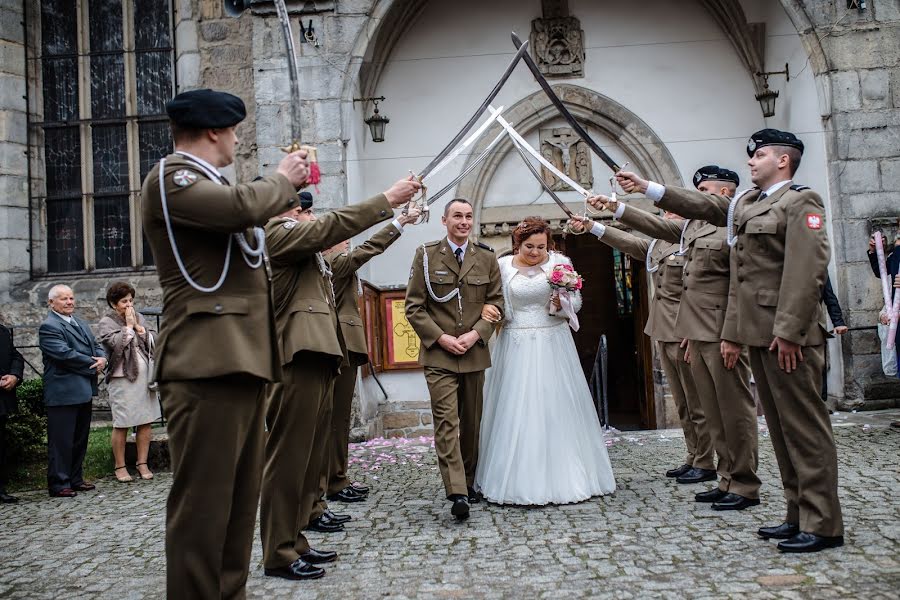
(568, 309)
(893, 307)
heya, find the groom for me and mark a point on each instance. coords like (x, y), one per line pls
(449, 283)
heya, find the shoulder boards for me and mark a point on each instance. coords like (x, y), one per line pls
(799, 188)
(429, 244)
(485, 246)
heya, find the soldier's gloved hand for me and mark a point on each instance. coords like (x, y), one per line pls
(295, 167)
(402, 192)
(630, 182)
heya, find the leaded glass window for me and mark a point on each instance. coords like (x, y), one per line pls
(105, 69)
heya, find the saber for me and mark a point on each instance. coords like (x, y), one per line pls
(520, 52)
(469, 168)
(469, 141)
(542, 81)
(550, 166)
(537, 176)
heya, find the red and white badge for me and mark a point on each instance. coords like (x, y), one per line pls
(814, 221)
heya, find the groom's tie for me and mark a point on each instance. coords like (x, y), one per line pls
(458, 254)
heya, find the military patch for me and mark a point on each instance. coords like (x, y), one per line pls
(184, 177)
(289, 224)
(410, 272)
(814, 221)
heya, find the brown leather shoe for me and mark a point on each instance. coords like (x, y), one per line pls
(84, 486)
(63, 493)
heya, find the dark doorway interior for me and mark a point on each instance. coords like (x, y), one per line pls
(614, 306)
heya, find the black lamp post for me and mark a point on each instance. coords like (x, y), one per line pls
(377, 121)
(767, 97)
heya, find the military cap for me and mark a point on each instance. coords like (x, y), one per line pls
(715, 173)
(206, 109)
(306, 200)
(773, 137)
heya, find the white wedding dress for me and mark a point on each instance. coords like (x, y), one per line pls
(541, 441)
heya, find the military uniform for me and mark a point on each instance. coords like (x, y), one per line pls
(298, 414)
(665, 265)
(215, 353)
(344, 267)
(779, 263)
(724, 394)
(455, 383)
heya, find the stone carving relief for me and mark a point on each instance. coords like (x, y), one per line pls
(557, 41)
(568, 153)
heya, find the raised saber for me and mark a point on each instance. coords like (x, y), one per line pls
(468, 169)
(537, 176)
(542, 81)
(468, 142)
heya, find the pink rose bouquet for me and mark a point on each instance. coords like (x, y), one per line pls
(565, 280)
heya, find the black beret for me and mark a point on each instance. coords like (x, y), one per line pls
(715, 173)
(206, 109)
(306, 200)
(773, 137)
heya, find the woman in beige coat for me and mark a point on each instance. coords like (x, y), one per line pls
(128, 341)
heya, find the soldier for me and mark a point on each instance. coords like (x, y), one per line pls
(665, 261)
(344, 265)
(217, 346)
(298, 415)
(450, 281)
(724, 391)
(779, 261)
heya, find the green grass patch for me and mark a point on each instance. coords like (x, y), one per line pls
(98, 462)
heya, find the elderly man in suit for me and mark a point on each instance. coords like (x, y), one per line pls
(12, 367)
(72, 359)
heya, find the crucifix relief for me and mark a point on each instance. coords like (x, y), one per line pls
(557, 41)
(568, 153)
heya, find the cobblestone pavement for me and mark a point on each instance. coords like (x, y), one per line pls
(648, 540)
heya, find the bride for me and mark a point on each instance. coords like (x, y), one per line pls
(541, 441)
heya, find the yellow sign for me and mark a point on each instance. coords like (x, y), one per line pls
(403, 343)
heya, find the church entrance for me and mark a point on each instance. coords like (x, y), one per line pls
(615, 305)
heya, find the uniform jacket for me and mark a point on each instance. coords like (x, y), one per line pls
(666, 279)
(704, 295)
(68, 352)
(346, 285)
(478, 279)
(11, 363)
(304, 308)
(778, 265)
(237, 320)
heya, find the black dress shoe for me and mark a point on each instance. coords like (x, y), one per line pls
(84, 487)
(360, 489)
(679, 471)
(296, 570)
(713, 495)
(460, 508)
(734, 502)
(324, 526)
(474, 497)
(318, 557)
(347, 495)
(337, 519)
(7, 499)
(695, 475)
(785, 531)
(810, 542)
(64, 493)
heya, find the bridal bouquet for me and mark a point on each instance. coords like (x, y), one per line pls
(565, 280)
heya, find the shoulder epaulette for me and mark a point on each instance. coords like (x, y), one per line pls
(429, 244)
(799, 188)
(485, 246)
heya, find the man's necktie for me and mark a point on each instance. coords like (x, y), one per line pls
(762, 197)
(458, 254)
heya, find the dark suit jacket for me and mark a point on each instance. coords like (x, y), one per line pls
(11, 363)
(832, 304)
(67, 351)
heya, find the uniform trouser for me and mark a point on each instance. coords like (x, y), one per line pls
(730, 416)
(294, 409)
(216, 433)
(334, 466)
(693, 422)
(313, 504)
(68, 428)
(801, 435)
(456, 403)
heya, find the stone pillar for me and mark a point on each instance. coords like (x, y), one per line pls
(14, 222)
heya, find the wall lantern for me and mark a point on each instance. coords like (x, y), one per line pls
(377, 121)
(767, 97)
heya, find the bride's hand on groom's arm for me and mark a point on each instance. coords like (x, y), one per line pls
(490, 313)
(452, 344)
